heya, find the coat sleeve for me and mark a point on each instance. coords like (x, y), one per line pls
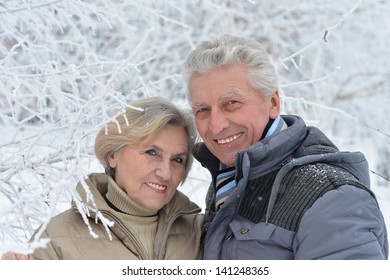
(345, 223)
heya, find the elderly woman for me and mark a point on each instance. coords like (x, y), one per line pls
(146, 152)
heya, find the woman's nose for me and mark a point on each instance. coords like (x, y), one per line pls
(164, 170)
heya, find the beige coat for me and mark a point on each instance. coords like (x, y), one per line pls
(178, 232)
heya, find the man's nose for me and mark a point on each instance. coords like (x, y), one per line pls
(218, 121)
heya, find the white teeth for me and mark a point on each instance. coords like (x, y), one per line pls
(159, 187)
(230, 139)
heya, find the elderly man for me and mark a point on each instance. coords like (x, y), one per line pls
(280, 189)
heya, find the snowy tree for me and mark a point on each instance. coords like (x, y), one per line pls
(66, 67)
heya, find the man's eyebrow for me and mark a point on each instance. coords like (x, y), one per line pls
(198, 104)
(229, 94)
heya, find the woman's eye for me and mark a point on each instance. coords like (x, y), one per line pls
(151, 152)
(179, 160)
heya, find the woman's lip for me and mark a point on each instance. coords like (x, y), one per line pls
(157, 186)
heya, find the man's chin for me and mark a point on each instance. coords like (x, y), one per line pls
(228, 161)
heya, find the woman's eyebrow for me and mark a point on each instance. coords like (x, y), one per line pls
(161, 150)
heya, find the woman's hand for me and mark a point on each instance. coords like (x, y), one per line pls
(14, 256)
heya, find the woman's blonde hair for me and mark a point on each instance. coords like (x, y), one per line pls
(139, 124)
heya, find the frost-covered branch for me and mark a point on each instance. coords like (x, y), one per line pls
(67, 67)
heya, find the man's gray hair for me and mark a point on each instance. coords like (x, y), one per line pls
(226, 50)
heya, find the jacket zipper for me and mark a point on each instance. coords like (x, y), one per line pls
(137, 244)
(169, 224)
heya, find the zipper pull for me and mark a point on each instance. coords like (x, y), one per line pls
(229, 237)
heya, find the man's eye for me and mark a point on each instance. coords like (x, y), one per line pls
(232, 105)
(200, 110)
(202, 113)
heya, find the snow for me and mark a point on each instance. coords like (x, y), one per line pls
(67, 66)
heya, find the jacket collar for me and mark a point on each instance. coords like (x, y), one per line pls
(297, 142)
(92, 191)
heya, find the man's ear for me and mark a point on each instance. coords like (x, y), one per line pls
(274, 109)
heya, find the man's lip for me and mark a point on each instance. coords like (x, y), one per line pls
(229, 139)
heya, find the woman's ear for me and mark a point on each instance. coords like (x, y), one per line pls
(112, 160)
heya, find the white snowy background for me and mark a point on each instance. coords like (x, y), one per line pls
(67, 66)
